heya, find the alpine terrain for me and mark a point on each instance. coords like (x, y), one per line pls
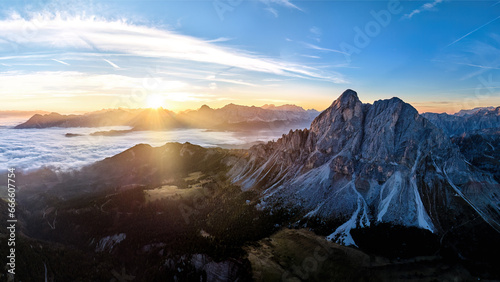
(367, 193)
(363, 164)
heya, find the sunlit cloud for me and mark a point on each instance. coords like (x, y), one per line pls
(93, 34)
(13, 84)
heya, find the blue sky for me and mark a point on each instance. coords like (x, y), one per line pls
(70, 56)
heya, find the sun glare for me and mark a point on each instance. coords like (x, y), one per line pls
(155, 101)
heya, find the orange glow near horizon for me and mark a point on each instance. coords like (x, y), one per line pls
(319, 101)
(157, 104)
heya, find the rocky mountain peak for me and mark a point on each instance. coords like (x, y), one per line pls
(368, 163)
(347, 100)
(347, 108)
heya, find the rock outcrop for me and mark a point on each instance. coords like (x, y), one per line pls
(362, 163)
(466, 121)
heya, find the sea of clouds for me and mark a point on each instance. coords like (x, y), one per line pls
(29, 149)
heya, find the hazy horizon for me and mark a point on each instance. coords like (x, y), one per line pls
(26, 113)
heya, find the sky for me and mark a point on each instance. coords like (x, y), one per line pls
(76, 56)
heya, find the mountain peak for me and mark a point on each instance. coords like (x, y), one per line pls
(205, 108)
(368, 163)
(349, 96)
(347, 108)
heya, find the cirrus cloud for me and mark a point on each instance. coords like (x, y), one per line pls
(91, 34)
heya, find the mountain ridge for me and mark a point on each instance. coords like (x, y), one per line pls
(466, 121)
(150, 119)
(357, 159)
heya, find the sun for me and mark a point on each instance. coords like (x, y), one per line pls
(155, 101)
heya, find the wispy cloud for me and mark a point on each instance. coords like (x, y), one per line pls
(424, 7)
(487, 67)
(481, 66)
(232, 81)
(315, 47)
(220, 39)
(272, 11)
(61, 62)
(473, 57)
(271, 4)
(476, 29)
(284, 3)
(112, 64)
(121, 37)
(311, 56)
(48, 82)
(316, 33)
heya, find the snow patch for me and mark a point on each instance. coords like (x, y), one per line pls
(342, 234)
(394, 183)
(422, 216)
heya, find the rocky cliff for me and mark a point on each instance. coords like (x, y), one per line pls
(362, 164)
(466, 121)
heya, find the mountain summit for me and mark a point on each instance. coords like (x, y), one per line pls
(363, 164)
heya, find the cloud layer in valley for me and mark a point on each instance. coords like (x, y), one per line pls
(49, 147)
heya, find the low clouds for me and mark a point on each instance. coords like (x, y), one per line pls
(49, 147)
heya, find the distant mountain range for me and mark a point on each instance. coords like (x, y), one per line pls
(466, 120)
(230, 117)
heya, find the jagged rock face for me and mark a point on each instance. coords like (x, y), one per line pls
(481, 149)
(466, 121)
(364, 163)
